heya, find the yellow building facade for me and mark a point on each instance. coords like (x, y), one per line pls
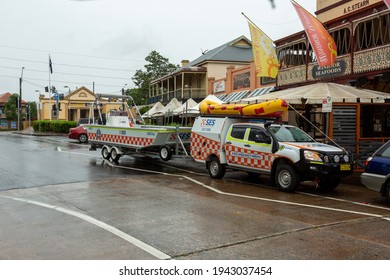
(74, 106)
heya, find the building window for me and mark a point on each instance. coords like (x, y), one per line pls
(372, 32)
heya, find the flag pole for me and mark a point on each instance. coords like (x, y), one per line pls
(255, 25)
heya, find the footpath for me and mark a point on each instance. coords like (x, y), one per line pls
(30, 131)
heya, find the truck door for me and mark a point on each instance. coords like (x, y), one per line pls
(249, 147)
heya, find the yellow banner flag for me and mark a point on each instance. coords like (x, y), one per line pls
(264, 53)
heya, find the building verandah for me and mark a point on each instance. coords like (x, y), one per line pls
(183, 84)
(77, 104)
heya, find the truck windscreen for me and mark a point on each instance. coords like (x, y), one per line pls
(290, 134)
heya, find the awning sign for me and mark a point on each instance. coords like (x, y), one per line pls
(327, 104)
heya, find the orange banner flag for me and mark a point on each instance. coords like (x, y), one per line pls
(264, 53)
(322, 43)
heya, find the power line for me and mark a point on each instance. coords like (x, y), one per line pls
(72, 54)
(68, 65)
(65, 73)
(68, 82)
(65, 91)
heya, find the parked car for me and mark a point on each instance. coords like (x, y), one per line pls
(376, 175)
(78, 133)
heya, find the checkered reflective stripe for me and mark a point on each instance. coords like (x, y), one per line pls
(184, 136)
(249, 158)
(202, 147)
(121, 139)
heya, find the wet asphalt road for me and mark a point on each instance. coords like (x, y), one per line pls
(58, 200)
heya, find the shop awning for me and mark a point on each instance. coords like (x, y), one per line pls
(221, 96)
(235, 96)
(260, 91)
(316, 93)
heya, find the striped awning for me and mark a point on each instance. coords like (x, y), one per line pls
(221, 96)
(235, 96)
(260, 91)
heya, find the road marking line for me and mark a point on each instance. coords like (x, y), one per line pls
(259, 198)
(143, 246)
(343, 200)
(253, 197)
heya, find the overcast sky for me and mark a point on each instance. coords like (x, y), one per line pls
(106, 41)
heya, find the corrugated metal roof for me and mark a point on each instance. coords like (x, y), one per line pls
(238, 50)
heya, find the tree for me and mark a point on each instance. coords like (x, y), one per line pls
(157, 67)
(11, 108)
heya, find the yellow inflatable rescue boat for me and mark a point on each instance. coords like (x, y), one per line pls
(269, 109)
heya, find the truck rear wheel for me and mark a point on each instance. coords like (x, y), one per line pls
(286, 178)
(216, 169)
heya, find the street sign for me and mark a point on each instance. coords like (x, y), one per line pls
(327, 104)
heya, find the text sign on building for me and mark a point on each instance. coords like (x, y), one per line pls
(327, 104)
(219, 86)
(338, 68)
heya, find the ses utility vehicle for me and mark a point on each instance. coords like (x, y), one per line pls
(284, 152)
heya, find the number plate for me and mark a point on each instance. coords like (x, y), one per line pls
(345, 167)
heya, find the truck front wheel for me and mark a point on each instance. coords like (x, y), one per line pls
(216, 169)
(286, 178)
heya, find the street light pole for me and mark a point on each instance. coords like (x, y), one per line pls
(123, 100)
(20, 120)
(39, 109)
(123, 89)
(68, 101)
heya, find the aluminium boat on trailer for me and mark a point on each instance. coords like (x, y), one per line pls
(123, 132)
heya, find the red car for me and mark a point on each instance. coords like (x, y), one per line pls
(79, 133)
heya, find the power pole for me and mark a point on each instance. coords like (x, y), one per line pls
(20, 119)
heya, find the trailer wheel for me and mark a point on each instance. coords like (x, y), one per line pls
(165, 153)
(114, 155)
(106, 153)
(83, 138)
(216, 169)
(286, 178)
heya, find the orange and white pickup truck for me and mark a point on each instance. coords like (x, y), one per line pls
(284, 152)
